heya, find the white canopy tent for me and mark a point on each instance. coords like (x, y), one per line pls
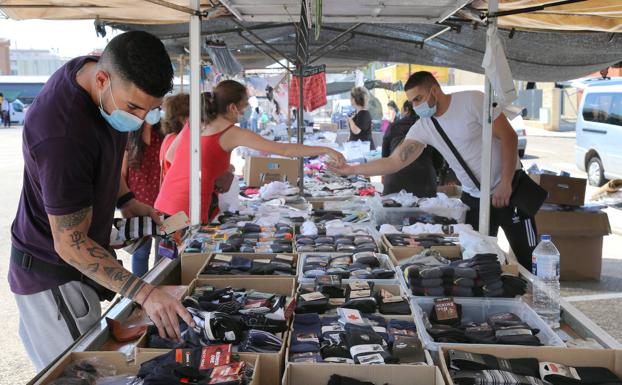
(540, 15)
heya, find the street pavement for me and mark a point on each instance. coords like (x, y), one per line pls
(601, 301)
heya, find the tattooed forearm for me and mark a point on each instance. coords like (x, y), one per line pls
(70, 221)
(93, 268)
(77, 239)
(98, 252)
(117, 273)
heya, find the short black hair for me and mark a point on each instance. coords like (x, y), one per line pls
(408, 106)
(140, 58)
(392, 105)
(420, 78)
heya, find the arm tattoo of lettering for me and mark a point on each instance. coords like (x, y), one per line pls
(407, 151)
(93, 268)
(117, 273)
(72, 220)
(98, 252)
(77, 239)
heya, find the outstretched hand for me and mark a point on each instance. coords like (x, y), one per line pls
(340, 169)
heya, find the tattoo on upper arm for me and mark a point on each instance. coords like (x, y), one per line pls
(72, 220)
(407, 151)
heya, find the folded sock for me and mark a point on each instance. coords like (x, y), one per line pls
(261, 342)
(460, 291)
(493, 377)
(459, 360)
(426, 282)
(408, 350)
(241, 263)
(428, 291)
(305, 357)
(306, 333)
(558, 374)
(366, 346)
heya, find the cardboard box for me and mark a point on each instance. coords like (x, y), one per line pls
(251, 256)
(403, 252)
(319, 374)
(606, 358)
(273, 363)
(329, 127)
(259, 171)
(579, 239)
(563, 190)
(193, 264)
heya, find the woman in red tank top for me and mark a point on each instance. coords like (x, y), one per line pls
(177, 109)
(221, 110)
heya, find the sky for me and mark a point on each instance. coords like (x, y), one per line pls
(68, 38)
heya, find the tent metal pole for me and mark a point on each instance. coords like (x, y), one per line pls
(277, 61)
(302, 59)
(484, 200)
(335, 39)
(195, 115)
(331, 49)
(270, 46)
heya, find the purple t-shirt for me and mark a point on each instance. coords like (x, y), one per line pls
(72, 160)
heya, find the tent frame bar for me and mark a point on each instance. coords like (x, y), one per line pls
(335, 39)
(177, 7)
(277, 61)
(334, 47)
(224, 31)
(373, 35)
(261, 40)
(492, 15)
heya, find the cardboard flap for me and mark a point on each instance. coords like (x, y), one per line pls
(573, 223)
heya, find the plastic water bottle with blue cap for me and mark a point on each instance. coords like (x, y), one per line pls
(545, 266)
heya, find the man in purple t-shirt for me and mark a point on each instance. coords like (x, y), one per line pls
(73, 144)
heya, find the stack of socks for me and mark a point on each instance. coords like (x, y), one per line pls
(424, 280)
(305, 338)
(363, 265)
(459, 281)
(279, 264)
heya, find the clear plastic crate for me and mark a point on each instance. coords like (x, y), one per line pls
(477, 310)
(385, 263)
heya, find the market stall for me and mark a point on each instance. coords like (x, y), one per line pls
(279, 236)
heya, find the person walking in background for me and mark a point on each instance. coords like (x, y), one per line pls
(6, 112)
(360, 123)
(176, 111)
(420, 176)
(141, 171)
(393, 114)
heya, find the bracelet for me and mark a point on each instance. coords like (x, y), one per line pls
(123, 199)
(147, 296)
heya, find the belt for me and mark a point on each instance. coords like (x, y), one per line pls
(36, 265)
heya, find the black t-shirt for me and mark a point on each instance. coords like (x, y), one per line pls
(420, 176)
(363, 120)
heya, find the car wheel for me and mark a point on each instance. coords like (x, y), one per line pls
(521, 153)
(595, 172)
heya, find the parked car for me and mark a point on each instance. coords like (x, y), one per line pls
(598, 149)
(18, 112)
(519, 126)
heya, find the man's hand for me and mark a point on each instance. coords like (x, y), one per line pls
(337, 158)
(134, 208)
(342, 169)
(501, 197)
(223, 182)
(163, 310)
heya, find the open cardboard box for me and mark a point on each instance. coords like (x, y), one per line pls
(252, 256)
(319, 374)
(259, 171)
(579, 238)
(606, 358)
(272, 362)
(193, 264)
(563, 190)
(120, 362)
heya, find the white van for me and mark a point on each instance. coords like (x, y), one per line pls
(599, 131)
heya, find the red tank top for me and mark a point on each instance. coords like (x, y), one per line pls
(166, 144)
(175, 191)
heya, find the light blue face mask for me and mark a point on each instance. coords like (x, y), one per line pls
(424, 110)
(123, 121)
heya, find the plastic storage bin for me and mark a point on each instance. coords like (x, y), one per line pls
(477, 310)
(385, 263)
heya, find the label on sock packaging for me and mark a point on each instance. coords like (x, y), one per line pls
(216, 355)
(550, 368)
(445, 309)
(222, 257)
(312, 296)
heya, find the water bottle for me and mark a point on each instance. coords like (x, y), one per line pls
(545, 266)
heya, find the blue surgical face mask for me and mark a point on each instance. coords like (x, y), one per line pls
(120, 120)
(424, 110)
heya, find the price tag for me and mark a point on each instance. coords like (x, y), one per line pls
(222, 257)
(313, 296)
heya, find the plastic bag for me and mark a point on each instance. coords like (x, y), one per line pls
(473, 243)
(230, 201)
(444, 206)
(308, 228)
